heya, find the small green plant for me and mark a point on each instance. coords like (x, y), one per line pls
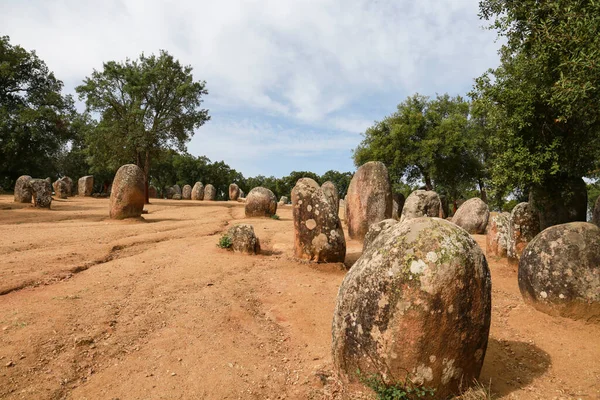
(225, 242)
(395, 390)
(274, 216)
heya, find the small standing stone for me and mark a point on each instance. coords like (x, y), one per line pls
(243, 239)
(472, 216)
(283, 201)
(42, 193)
(422, 203)
(23, 192)
(198, 191)
(85, 185)
(234, 192)
(152, 192)
(60, 189)
(186, 193)
(127, 197)
(210, 193)
(332, 195)
(523, 226)
(497, 235)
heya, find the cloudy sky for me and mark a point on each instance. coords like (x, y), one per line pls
(292, 83)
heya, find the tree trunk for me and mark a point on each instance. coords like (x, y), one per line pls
(482, 191)
(428, 184)
(147, 175)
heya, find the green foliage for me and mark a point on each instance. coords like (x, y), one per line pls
(509, 205)
(225, 242)
(397, 390)
(593, 194)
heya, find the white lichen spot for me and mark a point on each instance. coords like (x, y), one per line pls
(478, 355)
(561, 296)
(417, 266)
(423, 374)
(311, 224)
(316, 212)
(309, 207)
(359, 329)
(543, 295)
(432, 359)
(299, 201)
(432, 257)
(451, 308)
(448, 372)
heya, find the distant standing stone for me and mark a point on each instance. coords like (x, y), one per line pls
(422, 203)
(243, 239)
(523, 226)
(198, 191)
(127, 197)
(85, 185)
(177, 189)
(234, 192)
(176, 196)
(332, 195)
(152, 192)
(169, 192)
(260, 202)
(497, 235)
(369, 199)
(42, 193)
(210, 193)
(69, 183)
(186, 193)
(283, 200)
(60, 189)
(472, 216)
(23, 192)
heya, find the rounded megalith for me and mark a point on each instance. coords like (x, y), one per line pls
(472, 216)
(416, 304)
(283, 201)
(332, 195)
(234, 192)
(169, 192)
(398, 201)
(318, 233)
(42, 192)
(152, 192)
(421, 203)
(369, 198)
(127, 197)
(596, 212)
(85, 185)
(260, 202)
(186, 192)
(210, 193)
(177, 189)
(375, 229)
(243, 239)
(23, 189)
(559, 271)
(60, 189)
(198, 191)
(496, 238)
(523, 226)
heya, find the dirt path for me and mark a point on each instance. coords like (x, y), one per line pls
(99, 309)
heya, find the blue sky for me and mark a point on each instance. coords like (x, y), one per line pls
(292, 83)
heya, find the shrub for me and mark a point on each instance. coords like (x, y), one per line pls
(396, 390)
(225, 242)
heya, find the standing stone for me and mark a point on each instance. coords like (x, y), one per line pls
(261, 202)
(559, 201)
(177, 189)
(23, 189)
(559, 271)
(170, 192)
(375, 229)
(234, 192)
(42, 193)
(283, 201)
(152, 192)
(332, 195)
(369, 199)
(198, 191)
(397, 205)
(421, 203)
(69, 183)
(417, 302)
(596, 212)
(523, 226)
(127, 197)
(60, 189)
(318, 231)
(472, 216)
(243, 239)
(176, 196)
(210, 193)
(497, 235)
(85, 185)
(186, 193)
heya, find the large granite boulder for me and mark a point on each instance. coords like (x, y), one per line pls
(186, 192)
(198, 191)
(417, 304)
(23, 192)
(234, 192)
(559, 201)
(559, 271)
(260, 202)
(375, 229)
(497, 235)
(42, 193)
(318, 233)
(472, 216)
(61, 189)
(398, 201)
(421, 203)
(127, 197)
(243, 239)
(85, 185)
(596, 212)
(332, 195)
(210, 193)
(369, 199)
(523, 226)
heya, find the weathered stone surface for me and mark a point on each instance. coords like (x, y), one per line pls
(186, 192)
(418, 301)
(210, 193)
(332, 195)
(23, 189)
(234, 192)
(283, 201)
(198, 191)
(369, 199)
(177, 189)
(559, 201)
(42, 193)
(127, 197)
(398, 201)
(176, 196)
(596, 212)
(497, 235)
(559, 271)
(169, 192)
(375, 229)
(472, 216)
(85, 185)
(318, 233)
(260, 202)
(69, 183)
(244, 239)
(61, 189)
(421, 203)
(523, 226)
(152, 192)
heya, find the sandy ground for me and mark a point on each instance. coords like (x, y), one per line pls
(151, 309)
